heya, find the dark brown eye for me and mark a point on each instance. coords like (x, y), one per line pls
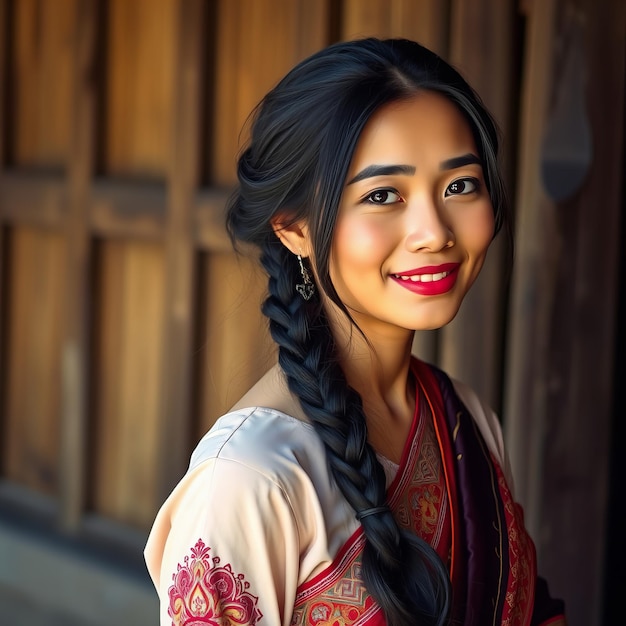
(383, 196)
(462, 186)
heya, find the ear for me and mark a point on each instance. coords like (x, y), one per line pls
(293, 235)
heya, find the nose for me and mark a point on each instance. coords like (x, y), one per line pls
(427, 228)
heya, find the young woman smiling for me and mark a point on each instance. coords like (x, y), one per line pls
(355, 484)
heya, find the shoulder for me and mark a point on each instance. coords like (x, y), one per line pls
(255, 456)
(255, 464)
(264, 440)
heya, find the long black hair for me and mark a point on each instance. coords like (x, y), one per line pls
(302, 139)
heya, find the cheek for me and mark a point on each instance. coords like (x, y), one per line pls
(478, 229)
(362, 242)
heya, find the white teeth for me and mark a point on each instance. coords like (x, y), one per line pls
(424, 278)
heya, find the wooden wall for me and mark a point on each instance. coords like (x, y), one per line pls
(563, 323)
(127, 324)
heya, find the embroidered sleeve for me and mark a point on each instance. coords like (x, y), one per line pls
(229, 547)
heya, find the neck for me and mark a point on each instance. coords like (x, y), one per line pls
(377, 365)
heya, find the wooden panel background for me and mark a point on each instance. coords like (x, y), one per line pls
(256, 44)
(128, 356)
(227, 330)
(127, 325)
(139, 78)
(32, 416)
(41, 66)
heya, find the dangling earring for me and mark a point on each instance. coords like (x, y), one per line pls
(306, 289)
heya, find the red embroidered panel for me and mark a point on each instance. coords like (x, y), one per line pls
(339, 597)
(205, 592)
(520, 591)
(420, 503)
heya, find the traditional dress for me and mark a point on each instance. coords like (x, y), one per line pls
(257, 533)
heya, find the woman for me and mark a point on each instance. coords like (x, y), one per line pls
(355, 484)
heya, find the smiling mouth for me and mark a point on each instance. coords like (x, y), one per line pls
(423, 278)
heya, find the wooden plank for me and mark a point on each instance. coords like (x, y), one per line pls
(366, 18)
(32, 200)
(42, 58)
(486, 61)
(75, 361)
(208, 225)
(128, 364)
(471, 347)
(117, 208)
(425, 21)
(4, 125)
(30, 454)
(234, 347)
(128, 209)
(312, 26)
(109, 369)
(140, 61)
(4, 87)
(175, 418)
(533, 276)
(252, 54)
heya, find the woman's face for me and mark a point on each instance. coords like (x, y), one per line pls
(415, 219)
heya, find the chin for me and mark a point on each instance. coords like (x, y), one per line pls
(437, 321)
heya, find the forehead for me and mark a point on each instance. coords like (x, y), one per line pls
(424, 128)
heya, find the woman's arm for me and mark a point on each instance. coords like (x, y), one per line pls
(225, 547)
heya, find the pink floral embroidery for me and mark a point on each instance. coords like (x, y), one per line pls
(204, 592)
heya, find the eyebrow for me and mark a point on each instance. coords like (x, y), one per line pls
(408, 170)
(382, 170)
(460, 161)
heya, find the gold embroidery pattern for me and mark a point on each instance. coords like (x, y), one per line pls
(520, 588)
(346, 603)
(422, 507)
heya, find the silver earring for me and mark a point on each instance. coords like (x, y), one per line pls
(306, 288)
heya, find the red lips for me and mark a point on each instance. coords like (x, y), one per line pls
(432, 280)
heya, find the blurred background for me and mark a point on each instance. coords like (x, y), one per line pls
(127, 325)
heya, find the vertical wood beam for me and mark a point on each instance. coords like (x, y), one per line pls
(579, 407)
(75, 353)
(312, 27)
(563, 314)
(4, 76)
(184, 174)
(4, 31)
(532, 275)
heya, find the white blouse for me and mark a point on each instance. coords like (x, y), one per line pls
(257, 512)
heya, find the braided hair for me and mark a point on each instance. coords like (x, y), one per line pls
(303, 135)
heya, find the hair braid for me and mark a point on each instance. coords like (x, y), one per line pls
(402, 572)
